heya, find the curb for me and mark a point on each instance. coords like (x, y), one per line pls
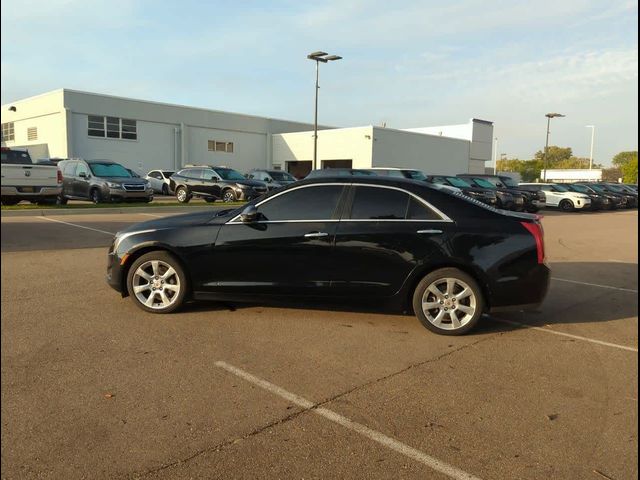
(44, 212)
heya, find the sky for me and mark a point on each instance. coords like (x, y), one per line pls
(407, 64)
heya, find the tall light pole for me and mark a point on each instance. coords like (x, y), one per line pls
(318, 57)
(495, 157)
(546, 145)
(593, 131)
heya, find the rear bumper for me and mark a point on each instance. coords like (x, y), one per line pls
(38, 192)
(525, 291)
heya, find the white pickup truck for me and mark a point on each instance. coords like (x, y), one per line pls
(24, 180)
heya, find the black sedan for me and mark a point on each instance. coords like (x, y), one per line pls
(447, 256)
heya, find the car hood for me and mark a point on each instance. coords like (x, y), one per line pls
(131, 181)
(249, 183)
(176, 221)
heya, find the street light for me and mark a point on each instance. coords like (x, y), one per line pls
(546, 146)
(495, 157)
(318, 57)
(593, 131)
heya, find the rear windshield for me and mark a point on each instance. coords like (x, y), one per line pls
(109, 170)
(280, 176)
(16, 157)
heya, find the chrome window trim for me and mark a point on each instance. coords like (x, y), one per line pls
(443, 216)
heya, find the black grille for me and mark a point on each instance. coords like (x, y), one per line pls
(133, 187)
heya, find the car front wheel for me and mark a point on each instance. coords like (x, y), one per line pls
(566, 206)
(229, 196)
(448, 301)
(157, 283)
(96, 196)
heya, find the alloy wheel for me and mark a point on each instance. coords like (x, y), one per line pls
(449, 303)
(229, 196)
(156, 284)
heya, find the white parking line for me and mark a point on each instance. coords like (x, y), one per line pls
(152, 215)
(374, 435)
(76, 225)
(563, 334)
(594, 285)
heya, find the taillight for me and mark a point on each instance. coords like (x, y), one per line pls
(59, 176)
(535, 229)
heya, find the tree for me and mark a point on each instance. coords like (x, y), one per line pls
(555, 155)
(623, 158)
(630, 171)
(611, 174)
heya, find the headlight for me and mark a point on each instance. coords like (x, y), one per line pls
(114, 185)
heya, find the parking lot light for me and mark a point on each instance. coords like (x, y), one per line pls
(546, 146)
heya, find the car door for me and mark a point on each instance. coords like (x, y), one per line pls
(68, 177)
(552, 197)
(288, 250)
(211, 183)
(385, 233)
(81, 184)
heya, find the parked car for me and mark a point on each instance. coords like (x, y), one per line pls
(214, 183)
(619, 201)
(399, 172)
(485, 195)
(160, 181)
(133, 173)
(598, 201)
(504, 200)
(449, 257)
(531, 201)
(559, 196)
(273, 178)
(24, 180)
(632, 197)
(340, 172)
(101, 181)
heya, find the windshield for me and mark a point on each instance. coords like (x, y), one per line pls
(229, 174)
(509, 182)
(580, 188)
(561, 188)
(16, 157)
(109, 170)
(458, 182)
(616, 188)
(416, 175)
(481, 182)
(280, 176)
(598, 188)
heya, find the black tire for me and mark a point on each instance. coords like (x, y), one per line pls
(209, 199)
(165, 189)
(168, 259)
(473, 302)
(532, 209)
(567, 206)
(148, 200)
(10, 201)
(95, 196)
(182, 194)
(229, 196)
(61, 200)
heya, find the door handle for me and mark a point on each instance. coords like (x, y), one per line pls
(315, 235)
(429, 231)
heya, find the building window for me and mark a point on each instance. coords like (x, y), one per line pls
(214, 146)
(32, 133)
(112, 127)
(8, 132)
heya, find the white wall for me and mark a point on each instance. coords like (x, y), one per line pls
(463, 131)
(572, 175)
(353, 144)
(429, 153)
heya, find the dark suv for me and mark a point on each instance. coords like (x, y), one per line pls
(214, 183)
(523, 199)
(101, 181)
(273, 178)
(485, 195)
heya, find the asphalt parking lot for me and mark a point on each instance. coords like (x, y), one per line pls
(93, 387)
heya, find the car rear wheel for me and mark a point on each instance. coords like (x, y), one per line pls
(229, 196)
(566, 206)
(182, 195)
(157, 283)
(448, 302)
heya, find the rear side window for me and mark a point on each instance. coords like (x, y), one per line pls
(193, 173)
(372, 203)
(309, 203)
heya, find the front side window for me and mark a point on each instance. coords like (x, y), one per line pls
(209, 174)
(82, 168)
(109, 170)
(309, 203)
(69, 169)
(372, 203)
(229, 174)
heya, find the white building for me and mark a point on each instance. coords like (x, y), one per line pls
(145, 135)
(568, 175)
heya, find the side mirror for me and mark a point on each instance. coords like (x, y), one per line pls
(249, 214)
(82, 174)
(268, 179)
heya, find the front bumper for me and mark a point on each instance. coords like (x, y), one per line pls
(114, 275)
(582, 203)
(118, 194)
(30, 192)
(246, 194)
